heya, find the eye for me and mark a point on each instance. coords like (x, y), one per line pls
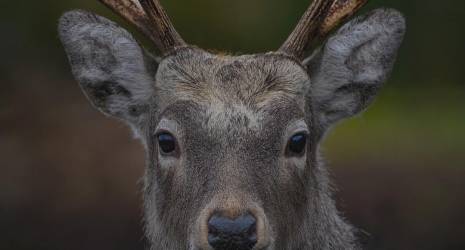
(167, 143)
(297, 144)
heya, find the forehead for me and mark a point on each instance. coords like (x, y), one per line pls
(232, 87)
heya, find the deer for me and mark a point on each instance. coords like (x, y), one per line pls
(232, 142)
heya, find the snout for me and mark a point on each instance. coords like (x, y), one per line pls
(232, 234)
(232, 224)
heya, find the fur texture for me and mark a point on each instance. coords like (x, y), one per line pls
(232, 117)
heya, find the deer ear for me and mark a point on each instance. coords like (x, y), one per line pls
(347, 72)
(112, 69)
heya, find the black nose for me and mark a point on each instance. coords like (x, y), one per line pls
(232, 234)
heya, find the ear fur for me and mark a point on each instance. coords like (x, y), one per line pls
(112, 69)
(351, 67)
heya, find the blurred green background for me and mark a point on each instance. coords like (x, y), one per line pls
(69, 176)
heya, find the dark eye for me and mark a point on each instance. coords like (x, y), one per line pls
(167, 143)
(297, 143)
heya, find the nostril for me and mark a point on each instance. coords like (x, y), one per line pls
(227, 234)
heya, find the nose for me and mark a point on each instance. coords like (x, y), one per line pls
(232, 234)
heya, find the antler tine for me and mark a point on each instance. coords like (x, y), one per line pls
(133, 13)
(150, 18)
(319, 19)
(306, 28)
(340, 10)
(167, 38)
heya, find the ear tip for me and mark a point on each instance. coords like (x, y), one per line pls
(70, 19)
(390, 18)
(75, 17)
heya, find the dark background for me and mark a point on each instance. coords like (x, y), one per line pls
(69, 176)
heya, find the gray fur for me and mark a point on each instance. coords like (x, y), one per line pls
(354, 63)
(232, 117)
(109, 65)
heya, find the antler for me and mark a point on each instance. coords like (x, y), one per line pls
(151, 19)
(319, 19)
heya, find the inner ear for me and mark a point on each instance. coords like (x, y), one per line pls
(101, 91)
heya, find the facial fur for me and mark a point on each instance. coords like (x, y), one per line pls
(233, 117)
(230, 120)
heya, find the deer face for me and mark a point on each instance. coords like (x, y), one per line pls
(228, 140)
(232, 141)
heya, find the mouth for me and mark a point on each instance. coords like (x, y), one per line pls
(232, 248)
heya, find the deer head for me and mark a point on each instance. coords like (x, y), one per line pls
(232, 141)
